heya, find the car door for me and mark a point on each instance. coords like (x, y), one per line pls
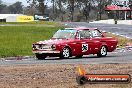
(99, 38)
(108, 41)
(77, 45)
(85, 42)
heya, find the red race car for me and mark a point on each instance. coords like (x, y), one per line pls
(75, 42)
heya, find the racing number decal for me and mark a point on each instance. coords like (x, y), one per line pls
(84, 47)
(95, 33)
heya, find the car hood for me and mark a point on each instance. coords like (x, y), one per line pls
(55, 41)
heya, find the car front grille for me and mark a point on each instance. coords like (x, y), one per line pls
(41, 47)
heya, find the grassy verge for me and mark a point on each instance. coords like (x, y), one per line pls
(34, 23)
(17, 40)
(121, 40)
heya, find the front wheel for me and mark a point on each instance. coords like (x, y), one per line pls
(102, 52)
(40, 56)
(66, 53)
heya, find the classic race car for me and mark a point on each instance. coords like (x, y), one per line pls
(77, 42)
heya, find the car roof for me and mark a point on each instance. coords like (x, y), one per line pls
(82, 28)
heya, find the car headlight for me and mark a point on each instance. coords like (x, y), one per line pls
(53, 47)
(35, 46)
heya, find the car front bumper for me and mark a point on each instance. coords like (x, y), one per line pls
(45, 52)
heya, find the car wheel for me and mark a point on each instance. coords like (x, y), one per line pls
(79, 56)
(66, 53)
(102, 52)
(81, 80)
(40, 56)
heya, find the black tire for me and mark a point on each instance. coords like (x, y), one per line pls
(66, 53)
(81, 80)
(40, 56)
(79, 56)
(102, 52)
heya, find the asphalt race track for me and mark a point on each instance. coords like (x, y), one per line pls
(115, 58)
(119, 56)
(123, 30)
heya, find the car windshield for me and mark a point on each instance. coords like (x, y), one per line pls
(65, 34)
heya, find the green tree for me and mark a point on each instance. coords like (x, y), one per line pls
(101, 5)
(58, 9)
(38, 4)
(16, 8)
(85, 7)
(2, 6)
(72, 5)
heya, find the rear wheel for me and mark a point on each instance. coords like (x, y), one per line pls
(66, 53)
(40, 56)
(102, 52)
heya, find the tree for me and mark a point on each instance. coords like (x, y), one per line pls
(71, 5)
(42, 6)
(60, 8)
(2, 6)
(16, 8)
(101, 5)
(38, 3)
(130, 4)
(86, 7)
(0, 2)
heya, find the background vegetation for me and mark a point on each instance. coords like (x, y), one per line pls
(63, 10)
(122, 42)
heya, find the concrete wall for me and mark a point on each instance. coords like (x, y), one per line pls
(4, 16)
(111, 21)
(16, 18)
(128, 22)
(11, 19)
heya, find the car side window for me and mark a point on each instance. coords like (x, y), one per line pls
(84, 34)
(96, 33)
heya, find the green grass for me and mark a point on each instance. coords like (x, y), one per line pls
(34, 23)
(121, 40)
(17, 40)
